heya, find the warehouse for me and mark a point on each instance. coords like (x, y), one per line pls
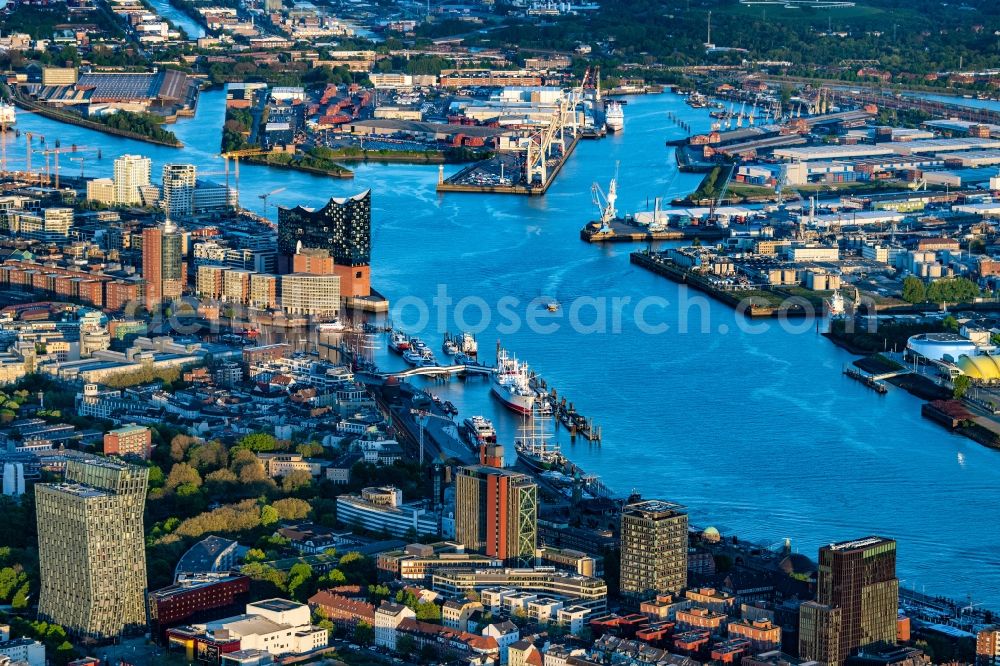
(808, 153)
(974, 158)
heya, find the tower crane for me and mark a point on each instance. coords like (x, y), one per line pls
(421, 416)
(264, 197)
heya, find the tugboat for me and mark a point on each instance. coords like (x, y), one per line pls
(450, 347)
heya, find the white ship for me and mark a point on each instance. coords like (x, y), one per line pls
(614, 117)
(835, 306)
(7, 115)
(509, 382)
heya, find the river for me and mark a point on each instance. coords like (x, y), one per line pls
(758, 433)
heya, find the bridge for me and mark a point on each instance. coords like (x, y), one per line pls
(426, 370)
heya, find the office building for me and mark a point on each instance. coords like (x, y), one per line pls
(131, 176)
(857, 600)
(496, 513)
(195, 598)
(91, 549)
(988, 647)
(654, 547)
(309, 295)
(179, 181)
(342, 228)
(162, 264)
(132, 439)
(382, 510)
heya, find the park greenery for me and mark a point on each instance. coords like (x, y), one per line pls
(145, 124)
(940, 292)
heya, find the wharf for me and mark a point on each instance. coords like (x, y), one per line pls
(743, 301)
(455, 182)
(563, 411)
(624, 231)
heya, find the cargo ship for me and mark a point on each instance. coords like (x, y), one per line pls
(509, 382)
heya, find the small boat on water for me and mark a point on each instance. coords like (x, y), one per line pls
(398, 342)
(450, 347)
(334, 326)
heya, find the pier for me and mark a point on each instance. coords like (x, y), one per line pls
(508, 174)
(870, 381)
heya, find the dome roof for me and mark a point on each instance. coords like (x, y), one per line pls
(984, 367)
(711, 534)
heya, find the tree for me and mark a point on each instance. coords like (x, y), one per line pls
(259, 442)
(291, 508)
(296, 479)
(268, 515)
(952, 290)
(183, 474)
(914, 290)
(406, 645)
(179, 446)
(364, 634)
(961, 386)
(20, 600)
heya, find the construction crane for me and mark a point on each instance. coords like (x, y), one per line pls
(55, 152)
(80, 160)
(264, 197)
(421, 416)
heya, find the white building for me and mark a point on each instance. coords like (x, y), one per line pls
(179, 181)
(23, 651)
(310, 295)
(387, 619)
(505, 633)
(382, 510)
(131, 175)
(278, 626)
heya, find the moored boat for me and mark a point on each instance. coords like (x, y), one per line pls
(509, 383)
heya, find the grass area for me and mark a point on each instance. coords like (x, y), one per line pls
(815, 298)
(760, 297)
(749, 191)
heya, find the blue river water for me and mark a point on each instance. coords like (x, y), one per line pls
(757, 432)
